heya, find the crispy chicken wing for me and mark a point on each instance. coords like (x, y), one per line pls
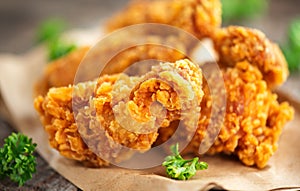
(62, 72)
(202, 19)
(110, 118)
(120, 111)
(235, 44)
(252, 123)
(198, 17)
(254, 119)
(57, 116)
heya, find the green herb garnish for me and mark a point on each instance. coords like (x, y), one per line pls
(49, 32)
(242, 9)
(179, 168)
(17, 159)
(58, 49)
(291, 49)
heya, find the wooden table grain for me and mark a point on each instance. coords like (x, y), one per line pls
(25, 16)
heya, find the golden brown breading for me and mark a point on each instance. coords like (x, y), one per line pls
(199, 17)
(253, 120)
(118, 113)
(57, 116)
(235, 44)
(60, 72)
(132, 55)
(99, 113)
(202, 19)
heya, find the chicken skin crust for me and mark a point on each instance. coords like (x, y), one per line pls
(198, 17)
(202, 18)
(252, 123)
(235, 44)
(254, 119)
(115, 115)
(62, 72)
(119, 113)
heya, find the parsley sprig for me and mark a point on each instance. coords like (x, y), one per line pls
(179, 168)
(58, 49)
(17, 159)
(49, 32)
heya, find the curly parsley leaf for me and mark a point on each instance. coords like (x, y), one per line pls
(17, 159)
(179, 168)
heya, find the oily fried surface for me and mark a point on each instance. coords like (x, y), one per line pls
(235, 44)
(125, 106)
(99, 113)
(253, 120)
(252, 123)
(132, 55)
(60, 72)
(57, 116)
(112, 117)
(198, 17)
(202, 19)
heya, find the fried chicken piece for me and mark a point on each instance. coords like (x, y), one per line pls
(62, 72)
(157, 50)
(203, 19)
(254, 119)
(251, 65)
(252, 123)
(118, 112)
(198, 17)
(57, 116)
(235, 44)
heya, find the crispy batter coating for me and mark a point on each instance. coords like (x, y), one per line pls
(253, 120)
(202, 19)
(157, 51)
(60, 72)
(57, 116)
(199, 17)
(110, 118)
(100, 113)
(235, 44)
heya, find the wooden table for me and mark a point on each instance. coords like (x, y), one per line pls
(45, 178)
(273, 24)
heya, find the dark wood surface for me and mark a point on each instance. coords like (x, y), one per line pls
(18, 23)
(45, 177)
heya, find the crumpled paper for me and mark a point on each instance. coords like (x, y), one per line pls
(19, 72)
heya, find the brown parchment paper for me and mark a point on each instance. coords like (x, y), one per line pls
(19, 72)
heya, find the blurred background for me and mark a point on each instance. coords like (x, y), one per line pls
(19, 20)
